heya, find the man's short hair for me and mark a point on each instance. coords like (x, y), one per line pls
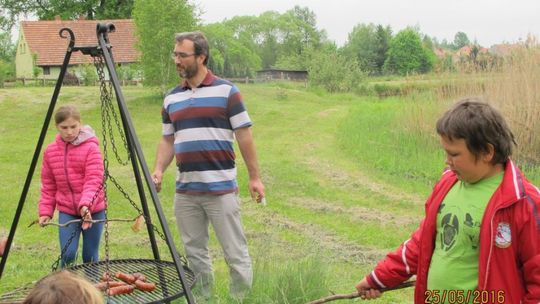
(479, 124)
(200, 43)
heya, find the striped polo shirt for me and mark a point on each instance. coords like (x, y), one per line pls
(202, 122)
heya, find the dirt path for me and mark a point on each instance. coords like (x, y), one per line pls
(338, 248)
(350, 179)
(359, 214)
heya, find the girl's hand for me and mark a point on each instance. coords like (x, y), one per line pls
(44, 220)
(3, 243)
(87, 218)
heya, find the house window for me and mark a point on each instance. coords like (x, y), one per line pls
(46, 71)
(23, 48)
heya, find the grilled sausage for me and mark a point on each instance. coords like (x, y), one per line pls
(119, 290)
(106, 277)
(126, 277)
(139, 276)
(103, 285)
(144, 286)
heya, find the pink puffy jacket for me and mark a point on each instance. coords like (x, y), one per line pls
(71, 175)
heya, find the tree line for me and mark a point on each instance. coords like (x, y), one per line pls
(242, 45)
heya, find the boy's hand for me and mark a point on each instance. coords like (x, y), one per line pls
(367, 292)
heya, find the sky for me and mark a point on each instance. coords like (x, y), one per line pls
(486, 21)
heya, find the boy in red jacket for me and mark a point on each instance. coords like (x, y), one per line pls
(480, 239)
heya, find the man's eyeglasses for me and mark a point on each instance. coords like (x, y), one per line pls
(182, 55)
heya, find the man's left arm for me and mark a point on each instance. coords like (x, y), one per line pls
(249, 154)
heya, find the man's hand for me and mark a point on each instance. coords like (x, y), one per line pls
(256, 190)
(86, 216)
(367, 292)
(157, 177)
(247, 148)
(164, 156)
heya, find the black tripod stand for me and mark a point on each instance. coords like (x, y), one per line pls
(173, 279)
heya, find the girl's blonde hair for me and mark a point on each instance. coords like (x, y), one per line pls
(65, 112)
(64, 287)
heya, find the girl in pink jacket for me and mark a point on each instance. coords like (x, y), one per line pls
(71, 181)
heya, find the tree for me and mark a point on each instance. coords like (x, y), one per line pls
(156, 37)
(7, 49)
(362, 46)
(334, 72)
(299, 30)
(384, 36)
(368, 43)
(275, 36)
(430, 59)
(230, 56)
(67, 10)
(461, 40)
(406, 54)
(7, 58)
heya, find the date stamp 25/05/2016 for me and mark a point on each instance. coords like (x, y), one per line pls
(464, 296)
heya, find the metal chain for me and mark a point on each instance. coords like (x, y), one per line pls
(132, 202)
(108, 111)
(105, 99)
(55, 265)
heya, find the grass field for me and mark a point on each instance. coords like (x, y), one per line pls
(345, 179)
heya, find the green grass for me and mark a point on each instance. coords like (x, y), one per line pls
(345, 178)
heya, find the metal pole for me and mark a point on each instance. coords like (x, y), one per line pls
(132, 152)
(101, 32)
(37, 151)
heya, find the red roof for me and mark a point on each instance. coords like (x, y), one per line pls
(43, 39)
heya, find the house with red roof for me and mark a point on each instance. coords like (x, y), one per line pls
(41, 50)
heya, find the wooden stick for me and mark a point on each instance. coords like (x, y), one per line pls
(79, 221)
(356, 294)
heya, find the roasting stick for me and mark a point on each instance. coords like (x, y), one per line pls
(79, 221)
(356, 294)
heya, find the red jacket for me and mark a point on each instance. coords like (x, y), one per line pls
(510, 265)
(71, 175)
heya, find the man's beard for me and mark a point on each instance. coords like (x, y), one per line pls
(189, 71)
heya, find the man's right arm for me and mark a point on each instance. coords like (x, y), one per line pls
(164, 156)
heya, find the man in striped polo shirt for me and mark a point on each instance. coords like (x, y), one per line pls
(201, 118)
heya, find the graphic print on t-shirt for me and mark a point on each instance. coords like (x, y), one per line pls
(457, 228)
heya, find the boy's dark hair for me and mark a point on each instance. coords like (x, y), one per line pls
(200, 43)
(479, 124)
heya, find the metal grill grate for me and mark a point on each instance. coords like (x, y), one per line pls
(16, 296)
(162, 273)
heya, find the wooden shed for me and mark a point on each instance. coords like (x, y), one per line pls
(280, 74)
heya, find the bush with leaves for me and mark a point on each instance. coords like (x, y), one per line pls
(407, 55)
(88, 74)
(335, 72)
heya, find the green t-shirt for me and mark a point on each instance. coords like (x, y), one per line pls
(454, 264)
